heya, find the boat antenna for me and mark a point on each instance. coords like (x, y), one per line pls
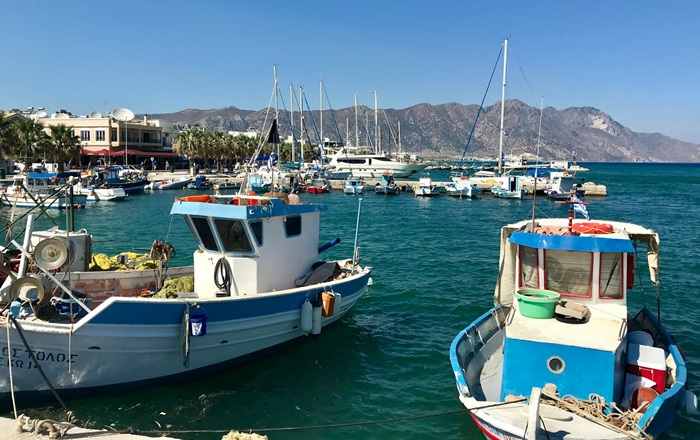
(537, 166)
(481, 106)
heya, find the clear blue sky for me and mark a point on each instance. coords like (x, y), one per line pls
(637, 60)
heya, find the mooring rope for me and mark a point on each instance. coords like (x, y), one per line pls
(313, 427)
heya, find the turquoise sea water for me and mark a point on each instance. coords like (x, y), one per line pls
(435, 264)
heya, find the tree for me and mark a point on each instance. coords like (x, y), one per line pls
(64, 145)
(30, 139)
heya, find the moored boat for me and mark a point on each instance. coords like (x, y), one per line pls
(354, 186)
(258, 282)
(425, 187)
(387, 185)
(462, 187)
(560, 355)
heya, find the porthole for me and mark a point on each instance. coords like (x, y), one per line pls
(556, 365)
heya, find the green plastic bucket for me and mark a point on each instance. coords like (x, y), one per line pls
(537, 303)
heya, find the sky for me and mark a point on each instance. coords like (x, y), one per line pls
(639, 61)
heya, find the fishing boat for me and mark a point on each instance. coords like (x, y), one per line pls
(200, 183)
(387, 185)
(35, 189)
(463, 188)
(259, 281)
(97, 194)
(561, 355)
(426, 188)
(130, 180)
(509, 187)
(354, 186)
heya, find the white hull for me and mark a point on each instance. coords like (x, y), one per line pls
(99, 351)
(51, 203)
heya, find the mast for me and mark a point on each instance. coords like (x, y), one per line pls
(320, 111)
(301, 123)
(291, 121)
(357, 131)
(377, 141)
(503, 105)
(369, 140)
(277, 110)
(347, 129)
(399, 153)
(537, 165)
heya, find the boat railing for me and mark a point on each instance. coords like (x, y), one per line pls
(472, 339)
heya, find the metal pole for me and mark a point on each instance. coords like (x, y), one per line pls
(277, 111)
(377, 141)
(503, 104)
(355, 253)
(537, 166)
(126, 143)
(320, 111)
(347, 129)
(399, 138)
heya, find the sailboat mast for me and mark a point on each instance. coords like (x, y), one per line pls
(376, 124)
(347, 129)
(301, 123)
(503, 106)
(277, 111)
(320, 111)
(357, 130)
(399, 138)
(291, 121)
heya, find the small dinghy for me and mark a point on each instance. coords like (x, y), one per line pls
(535, 367)
(259, 281)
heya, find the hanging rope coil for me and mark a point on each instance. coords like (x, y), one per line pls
(223, 276)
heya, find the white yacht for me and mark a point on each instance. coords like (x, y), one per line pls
(364, 163)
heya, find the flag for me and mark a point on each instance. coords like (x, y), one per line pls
(273, 137)
(581, 209)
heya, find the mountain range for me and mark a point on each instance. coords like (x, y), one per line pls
(586, 133)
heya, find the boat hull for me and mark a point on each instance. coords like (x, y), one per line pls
(79, 201)
(149, 335)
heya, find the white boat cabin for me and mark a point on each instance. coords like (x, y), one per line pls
(267, 243)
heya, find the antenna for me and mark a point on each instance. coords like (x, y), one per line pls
(124, 115)
(537, 166)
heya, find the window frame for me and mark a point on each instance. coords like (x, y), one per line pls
(622, 276)
(101, 131)
(258, 243)
(588, 295)
(86, 133)
(521, 277)
(193, 228)
(301, 226)
(248, 236)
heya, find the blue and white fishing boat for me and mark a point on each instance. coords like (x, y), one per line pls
(354, 186)
(560, 355)
(34, 189)
(462, 187)
(259, 281)
(425, 187)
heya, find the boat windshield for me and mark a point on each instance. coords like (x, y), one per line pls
(569, 273)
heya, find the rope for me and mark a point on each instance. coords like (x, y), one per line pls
(317, 427)
(38, 365)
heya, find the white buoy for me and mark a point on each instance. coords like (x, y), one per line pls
(316, 328)
(338, 302)
(306, 317)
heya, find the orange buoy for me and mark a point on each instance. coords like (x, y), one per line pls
(592, 228)
(197, 198)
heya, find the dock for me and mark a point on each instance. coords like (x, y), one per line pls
(9, 430)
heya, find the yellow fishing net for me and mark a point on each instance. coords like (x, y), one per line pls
(175, 285)
(123, 261)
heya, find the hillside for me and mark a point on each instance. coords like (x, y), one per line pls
(587, 132)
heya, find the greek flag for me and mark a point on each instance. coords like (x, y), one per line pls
(580, 208)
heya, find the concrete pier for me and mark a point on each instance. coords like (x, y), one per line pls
(9, 431)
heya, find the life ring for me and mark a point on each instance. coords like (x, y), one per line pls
(203, 198)
(592, 228)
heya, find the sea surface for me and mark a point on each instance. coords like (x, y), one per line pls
(435, 265)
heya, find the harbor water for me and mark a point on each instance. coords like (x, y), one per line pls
(435, 266)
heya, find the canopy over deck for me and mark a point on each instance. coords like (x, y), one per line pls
(516, 233)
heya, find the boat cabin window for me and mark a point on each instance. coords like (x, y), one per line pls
(568, 273)
(292, 225)
(201, 225)
(257, 228)
(610, 276)
(528, 267)
(233, 236)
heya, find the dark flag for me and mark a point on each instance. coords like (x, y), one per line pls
(273, 136)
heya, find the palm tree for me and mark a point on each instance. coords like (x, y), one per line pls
(64, 145)
(30, 138)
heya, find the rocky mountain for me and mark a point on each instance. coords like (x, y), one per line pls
(442, 130)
